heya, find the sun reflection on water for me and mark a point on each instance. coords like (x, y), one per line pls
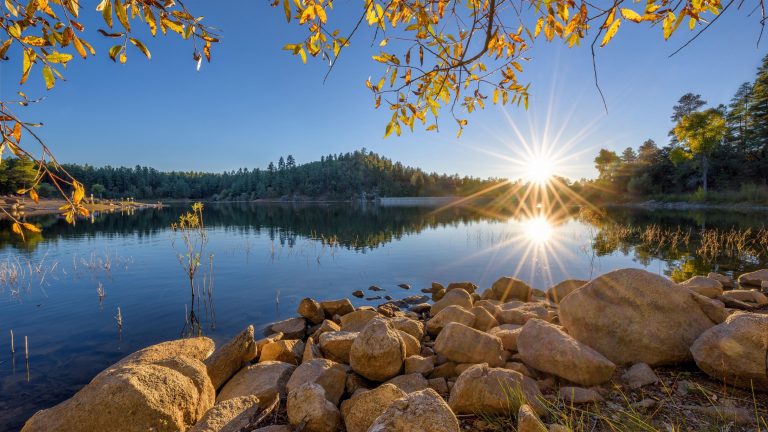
(538, 229)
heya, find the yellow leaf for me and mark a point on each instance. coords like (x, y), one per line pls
(49, 79)
(17, 229)
(30, 227)
(611, 32)
(34, 196)
(122, 16)
(78, 193)
(631, 15)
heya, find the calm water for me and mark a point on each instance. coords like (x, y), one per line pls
(268, 257)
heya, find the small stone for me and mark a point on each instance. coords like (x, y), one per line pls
(639, 375)
(325, 326)
(375, 288)
(578, 395)
(419, 364)
(439, 385)
(528, 421)
(358, 294)
(404, 286)
(449, 314)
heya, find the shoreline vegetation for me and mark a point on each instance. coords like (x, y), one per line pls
(626, 351)
(48, 206)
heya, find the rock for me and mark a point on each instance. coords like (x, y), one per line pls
(466, 286)
(749, 296)
(643, 405)
(419, 364)
(633, 316)
(325, 326)
(231, 357)
(439, 385)
(375, 288)
(378, 351)
(704, 286)
(521, 314)
(557, 292)
(336, 345)
(409, 383)
(263, 380)
(412, 345)
(452, 298)
(724, 280)
(539, 294)
(438, 295)
(362, 409)
(198, 348)
(389, 310)
(292, 328)
(463, 344)
(309, 410)
(447, 315)
(639, 375)
(337, 307)
(445, 370)
(230, 415)
(484, 321)
(578, 395)
(272, 428)
(735, 351)
(164, 395)
(311, 310)
(740, 416)
(331, 376)
(485, 390)
(509, 288)
(508, 333)
(355, 321)
(754, 278)
(732, 303)
(311, 351)
(421, 308)
(423, 411)
(528, 421)
(545, 347)
(288, 351)
(358, 294)
(714, 309)
(271, 338)
(404, 286)
(410, 326)
(519, 367)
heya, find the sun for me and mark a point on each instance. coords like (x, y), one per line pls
(538, 229)
(539, 169)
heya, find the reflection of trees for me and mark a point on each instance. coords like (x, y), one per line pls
(352, 227)
(689, 243)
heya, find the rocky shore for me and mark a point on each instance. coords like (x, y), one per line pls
(629, 350)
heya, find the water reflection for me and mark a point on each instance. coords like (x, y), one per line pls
(538, 229)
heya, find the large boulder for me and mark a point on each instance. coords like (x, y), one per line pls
(704, 286)
(410, 326)
(364, 407)
(309, 410)
(311, 310)
(336, 345)
(508, 333)
(633, 316)
(409, 383)
(463, 344)
(447, 315)
(545, 347)
(755, 278)
(263, 380)
(291, 328)
(748, 296)
(378, 351)
(331, 376)
(229, 415)
(509, 288)
(231, 357)
(457, 297)
(339, 307)
(166, 394)
(484, 390)
(735, 351)
(198, 348)
(724, 280)
(557, 292)
(422, 411)
(412, 345)
(484, 320)
(419, 364)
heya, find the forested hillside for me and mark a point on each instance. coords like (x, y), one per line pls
(341, 176)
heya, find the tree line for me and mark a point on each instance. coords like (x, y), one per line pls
(339, 176)
(720, 152)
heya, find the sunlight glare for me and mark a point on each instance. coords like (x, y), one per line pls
(538, 229)
(539, 169)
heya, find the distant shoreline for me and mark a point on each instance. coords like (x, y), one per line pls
(682, 205)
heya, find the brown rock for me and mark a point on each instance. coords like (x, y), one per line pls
(704, 286)
(311, 310)
(633, 316)
(639, 375)
(412, 345)
(466, 286)
(337, 307)
(231, 357)
(713, 309)
(356, 321)
(509, 288)
(325, 326)
(754, 278)
(528, 421)
(288, 351)
(409, 383)
(735, 351)
(484, 390)
(578, 395)
(331, 376)
(724, 280)
(521, 314)
(439, 385)
(557, 292)
(230, 415)
(545, 347)
(447, 315)
(749, 296)
(484, 320)
(363, 408)
(452, 298)
(423, 411)
(311, 351)
(336, 345)
(378, 351)
(198, 348)
(292, 328)
(508, 333)
(309, 409)
(463, 344)
(419, 364)
(410, 326)
(263, 380)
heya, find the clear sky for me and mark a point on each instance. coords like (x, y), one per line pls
(256, 102)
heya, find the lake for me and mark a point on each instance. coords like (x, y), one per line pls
(267, 257)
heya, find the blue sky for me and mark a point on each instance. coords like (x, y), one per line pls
(255, 102)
